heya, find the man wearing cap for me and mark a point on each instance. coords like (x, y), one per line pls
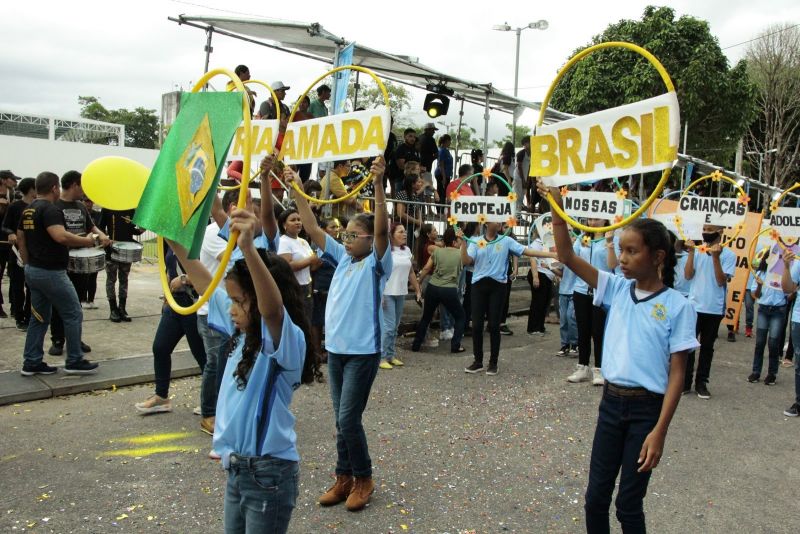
(8, 181)
(317, 107)
(266, 110)
(428, 151)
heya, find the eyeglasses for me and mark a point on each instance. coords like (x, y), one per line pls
(349, 237)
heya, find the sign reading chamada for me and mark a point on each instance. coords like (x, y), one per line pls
(712, 210)
(786, 221)
(490, 209)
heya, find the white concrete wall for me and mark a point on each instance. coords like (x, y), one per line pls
(28, 157)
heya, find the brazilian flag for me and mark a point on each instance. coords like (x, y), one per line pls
(177, 199)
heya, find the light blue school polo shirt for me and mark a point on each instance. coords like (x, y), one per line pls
(682, 285)
(794, 272)
(492, 260)
(219, 315)
(353, 314)
(706, 295)
(260, 241)
(770, 295)
(646, 332)
(597, 255)
(256, 421)
(568, 279)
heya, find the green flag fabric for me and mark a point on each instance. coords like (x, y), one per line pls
(177, 199)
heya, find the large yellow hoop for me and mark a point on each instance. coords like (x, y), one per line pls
(664, 175)
(277, 116)
(226, 255)
(751, 254)
(774, 206)
(716, 176)
(367, 179)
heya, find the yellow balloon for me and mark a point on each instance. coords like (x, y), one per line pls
(115, 182)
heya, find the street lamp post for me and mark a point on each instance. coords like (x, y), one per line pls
(761, 159)
(538, 25)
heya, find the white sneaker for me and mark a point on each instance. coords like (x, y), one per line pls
(583, 373)
(447, 335)
(597, 377)
(197, 411)
(214, 455)
(431, 342)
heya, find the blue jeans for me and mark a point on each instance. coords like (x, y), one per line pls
(351, 380)
(749, 302)
(212, 341)
(52, 289)
(446, 319)
(622, 426)
(392, 313)
(770, 321)
(796, 343)
(260, 494)
(568, 325)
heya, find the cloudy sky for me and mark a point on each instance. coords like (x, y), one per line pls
(127, 53)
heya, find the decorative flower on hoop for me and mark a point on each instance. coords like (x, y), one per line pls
(481, 243)
(487, 173)
(511, 222)
(738, 228)
(452, 220)
(617, 218)
(512, 197)
(586, 240)
(703, 249)
(481, 218)
(622, 194)
(454, 195)
(773, 206)
(744, 200)
(774, 235)
(716, 176)
(564, 191)
(678, 220)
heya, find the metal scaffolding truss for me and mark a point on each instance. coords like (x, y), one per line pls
(56, 129)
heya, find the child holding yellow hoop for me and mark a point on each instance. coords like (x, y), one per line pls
(353, 333)
(771, 314)
(644, 369)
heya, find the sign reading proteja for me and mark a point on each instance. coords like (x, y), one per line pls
(483, 209)
(631, 139)
(361, 134)
(712, 210)
(606, 206)
(264, 135)
(786, 221)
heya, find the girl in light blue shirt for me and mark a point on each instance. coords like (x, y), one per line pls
(268, 359)
(643, 365)
(771, 315)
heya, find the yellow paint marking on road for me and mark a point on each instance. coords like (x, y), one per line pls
(147, 451)
(155, 438)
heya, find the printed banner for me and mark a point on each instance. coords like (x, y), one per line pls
(264, 135)
(631, 139)
(786, 221)
(665, 212)
(483, 209)
(736, 287)
(711, 210)
(593, 205)
(360, 134)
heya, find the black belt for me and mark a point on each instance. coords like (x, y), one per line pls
(624, 391)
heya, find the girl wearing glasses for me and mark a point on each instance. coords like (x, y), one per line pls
(353, 333)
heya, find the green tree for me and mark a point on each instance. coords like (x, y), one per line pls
(141, 124)
(717, 102)
(522, 131)
(468, 139)
(370, 95)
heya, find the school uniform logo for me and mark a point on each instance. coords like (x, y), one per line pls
(659, 312)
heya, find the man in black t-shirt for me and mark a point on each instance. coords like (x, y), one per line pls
(44, 246)
(404, 153)
(428, 151)
(7, 184)
(20, 298)
(78, 221)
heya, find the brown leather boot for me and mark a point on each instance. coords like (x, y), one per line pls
(359, 497)
(338, 492)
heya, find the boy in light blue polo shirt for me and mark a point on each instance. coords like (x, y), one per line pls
(710, 273)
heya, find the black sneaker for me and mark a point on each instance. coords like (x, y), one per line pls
(702, 391)
(492, 369)
(573, 351)
(563, 351)
(40, 368)
(57, 349)
(753, 378)
(22, 326)
(792, 411)
(474, 368)
(86, 349)
(770, 380)
(505, 330)
(82, 367)
(732, 336)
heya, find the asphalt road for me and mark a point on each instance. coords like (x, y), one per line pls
(453, 453)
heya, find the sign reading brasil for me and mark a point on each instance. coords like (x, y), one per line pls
(360, 134)
(631, 139)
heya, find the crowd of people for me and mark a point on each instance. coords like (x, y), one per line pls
(298, 280)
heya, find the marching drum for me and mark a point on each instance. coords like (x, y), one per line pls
(86, 260)
(126, 252)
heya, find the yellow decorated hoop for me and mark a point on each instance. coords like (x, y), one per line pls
(367, 179)
(715, 176)
(664, 175)
(775, 205)
(277, 116)
(760, 253)
(226, 255)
